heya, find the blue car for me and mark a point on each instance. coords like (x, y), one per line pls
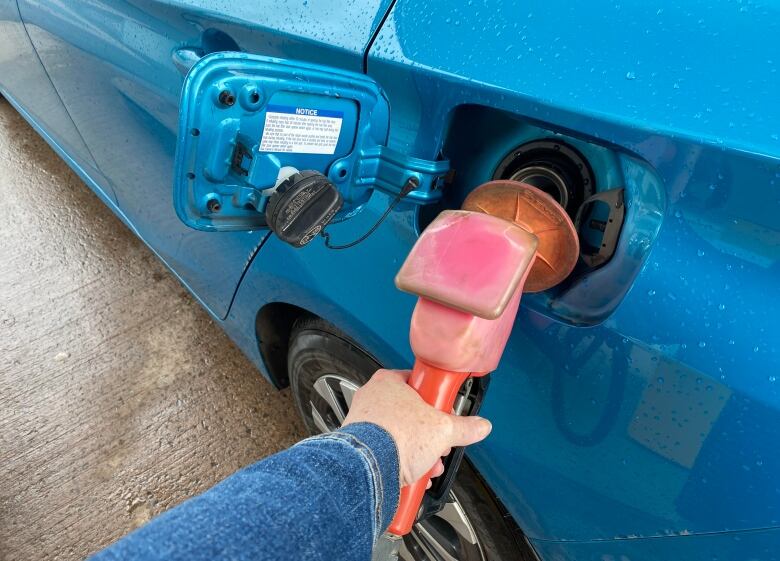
(636, 410)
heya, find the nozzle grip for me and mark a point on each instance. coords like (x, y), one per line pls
(438, 388)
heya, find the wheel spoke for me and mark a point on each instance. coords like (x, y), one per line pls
(446, 536)
(417, 547)
(455, 516)
(348, 389)
(318, 420)
(403, 552)
(322, 387)
(433, 541)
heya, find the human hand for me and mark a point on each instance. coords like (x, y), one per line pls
(422, 434)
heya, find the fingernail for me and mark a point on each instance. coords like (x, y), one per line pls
(486, 427)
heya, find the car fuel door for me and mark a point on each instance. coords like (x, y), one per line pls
(248, 122)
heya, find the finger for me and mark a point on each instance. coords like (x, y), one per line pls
(428, 485)
(468, 430)
(437, 469)
(446, 453)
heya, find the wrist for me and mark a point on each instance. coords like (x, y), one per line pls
(381, 452)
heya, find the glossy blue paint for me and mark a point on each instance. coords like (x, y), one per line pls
(114, 65)
(692, 70)
(756, 545)
(634, 418)
(42, 103)
(658, 419)
(322, 281)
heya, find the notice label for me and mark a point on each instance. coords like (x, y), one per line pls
(302, 130)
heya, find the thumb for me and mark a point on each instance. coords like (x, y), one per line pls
(468, 430)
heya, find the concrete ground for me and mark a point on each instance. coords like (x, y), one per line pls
(118, 398)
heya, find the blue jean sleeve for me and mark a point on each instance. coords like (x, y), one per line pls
(328, 497)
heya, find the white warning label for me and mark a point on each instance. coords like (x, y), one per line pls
(301, 129)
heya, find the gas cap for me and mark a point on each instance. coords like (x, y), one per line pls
(301, 206)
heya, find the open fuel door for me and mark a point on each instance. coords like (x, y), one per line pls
(248, 122)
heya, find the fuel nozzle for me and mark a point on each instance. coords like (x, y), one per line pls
(469, 269)
(539, 214)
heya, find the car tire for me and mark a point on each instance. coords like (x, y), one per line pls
(318, 351)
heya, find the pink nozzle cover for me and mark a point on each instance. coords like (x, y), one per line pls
(468, 261)
(468, 269)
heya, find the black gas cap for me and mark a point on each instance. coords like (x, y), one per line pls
(302, 206)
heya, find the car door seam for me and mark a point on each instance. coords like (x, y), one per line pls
(54, 86)
(375, 34)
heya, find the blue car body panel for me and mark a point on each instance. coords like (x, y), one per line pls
(42, 104)
(760, 545)
(624, 429)
(119, 68)
(636, 417)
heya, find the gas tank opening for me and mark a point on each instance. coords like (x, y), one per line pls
(554, 167)
(606, 191)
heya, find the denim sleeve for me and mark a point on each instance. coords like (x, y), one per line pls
(328, 497)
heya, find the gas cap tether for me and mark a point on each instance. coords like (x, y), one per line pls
(411, 184)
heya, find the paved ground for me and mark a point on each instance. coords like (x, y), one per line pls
(117, 396)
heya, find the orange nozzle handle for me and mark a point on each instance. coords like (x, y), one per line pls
(438, 388)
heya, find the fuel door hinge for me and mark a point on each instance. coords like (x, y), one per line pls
(389, 171)
(378, 167)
